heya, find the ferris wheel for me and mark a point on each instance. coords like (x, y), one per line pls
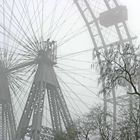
(45, 62)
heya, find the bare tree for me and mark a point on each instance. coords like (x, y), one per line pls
(125, 130)
(60, 136)
(71, 134)
(86, 127)
(120, 67)
(96, 116)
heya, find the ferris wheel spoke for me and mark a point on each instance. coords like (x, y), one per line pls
(16, 21)
(52, 19)
(37, 14)
(30, 33)
(19, 101)
(59, 23)
(78, 74)
(68, 89)
(24, 35)
(75, 60)
(11, 18)
(80, 83)
(20, 66)
(74, 53)
(22, 30)
(70, 29)
(26, 11)
(12, 36)
(3, 24)
(72, 68)
(71, 36)
(42, 19)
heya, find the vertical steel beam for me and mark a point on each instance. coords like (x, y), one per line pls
(45, 80)
(26, 116)
(38, 112)
(82, 12)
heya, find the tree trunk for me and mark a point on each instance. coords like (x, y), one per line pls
(105, 108)
(114, 114)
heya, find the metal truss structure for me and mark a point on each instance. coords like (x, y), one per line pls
(45, 82)
(124, 100)
(7, 119)
(45, 134)
(99, 24)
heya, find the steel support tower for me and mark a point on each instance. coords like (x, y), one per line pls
(45, 83)
(7, 121)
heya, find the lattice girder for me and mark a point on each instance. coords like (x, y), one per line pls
(45, 134)
(7, 128)
(102, 38)
(54, 109)
(7, 120)
(45, 84)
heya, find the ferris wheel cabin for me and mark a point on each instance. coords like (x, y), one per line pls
(113, 16)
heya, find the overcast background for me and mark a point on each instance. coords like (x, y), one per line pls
(133, 15)
(79, 98)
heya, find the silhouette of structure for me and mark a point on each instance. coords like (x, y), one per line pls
(7, 120)
(45, 82)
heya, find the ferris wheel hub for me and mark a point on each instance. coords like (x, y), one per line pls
(113, 16)
(47, 50)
